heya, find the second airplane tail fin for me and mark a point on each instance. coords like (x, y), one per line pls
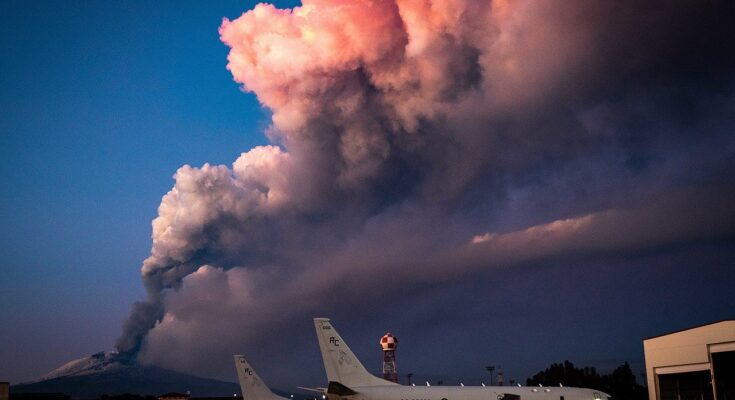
(340, 363)
(251, 385)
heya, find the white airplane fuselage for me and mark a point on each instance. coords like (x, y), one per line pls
(349, 380)
(399, 392)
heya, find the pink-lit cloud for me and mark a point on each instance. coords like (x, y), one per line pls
(403, 132)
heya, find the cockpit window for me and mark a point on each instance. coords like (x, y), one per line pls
(596, 396)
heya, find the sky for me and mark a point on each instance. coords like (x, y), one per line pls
(498, 183)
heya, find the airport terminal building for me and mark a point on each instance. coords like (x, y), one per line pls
(692, 364)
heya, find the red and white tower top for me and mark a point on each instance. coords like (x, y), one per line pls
(388, 342)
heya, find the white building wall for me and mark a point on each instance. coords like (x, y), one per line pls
(687, 350)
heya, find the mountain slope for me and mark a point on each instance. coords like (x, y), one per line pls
(105, 373)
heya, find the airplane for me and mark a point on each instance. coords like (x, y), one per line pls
(251, 385)
(349, 380)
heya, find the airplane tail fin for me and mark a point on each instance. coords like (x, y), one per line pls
(340, 363)
(251, 385)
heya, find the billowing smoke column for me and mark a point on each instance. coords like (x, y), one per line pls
(389, 344)
(426, 140)
(358, 91)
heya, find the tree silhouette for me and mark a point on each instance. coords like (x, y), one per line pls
(621, 383)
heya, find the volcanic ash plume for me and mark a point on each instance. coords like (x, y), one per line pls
(354, 88)
(401, 130)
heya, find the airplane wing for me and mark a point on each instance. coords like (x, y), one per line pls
(318, 390)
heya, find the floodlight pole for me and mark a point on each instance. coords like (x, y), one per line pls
(490, 369)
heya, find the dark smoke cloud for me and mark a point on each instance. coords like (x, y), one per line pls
(431, 140)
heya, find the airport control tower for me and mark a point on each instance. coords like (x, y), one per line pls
(389, 343)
